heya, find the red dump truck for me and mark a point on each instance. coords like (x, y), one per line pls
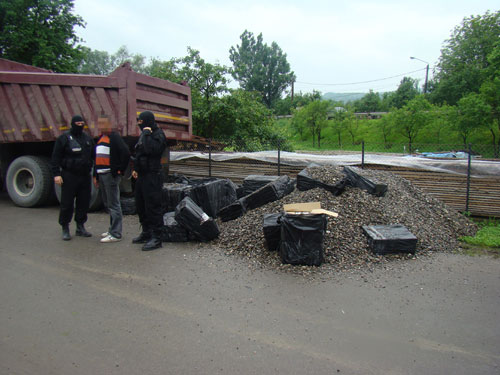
(36, 106)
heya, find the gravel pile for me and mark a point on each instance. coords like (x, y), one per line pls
(436, 227)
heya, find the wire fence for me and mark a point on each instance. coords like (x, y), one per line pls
(465, 178)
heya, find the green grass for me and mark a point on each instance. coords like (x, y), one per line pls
(488, 235)
(370, 132)
(486, 240)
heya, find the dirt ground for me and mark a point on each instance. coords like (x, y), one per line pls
(82, 307)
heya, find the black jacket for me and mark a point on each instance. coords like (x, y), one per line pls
(119, 155)
(148, 151)
(75, 154)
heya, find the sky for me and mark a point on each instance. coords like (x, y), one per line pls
(332, 46)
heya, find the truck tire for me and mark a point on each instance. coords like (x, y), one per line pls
(95, 197)
(29, 181)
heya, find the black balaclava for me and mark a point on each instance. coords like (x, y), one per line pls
(148, 120)
(75, 129)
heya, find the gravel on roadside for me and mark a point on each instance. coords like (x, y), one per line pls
(436, 226)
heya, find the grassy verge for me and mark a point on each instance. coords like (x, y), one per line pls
(486, 240)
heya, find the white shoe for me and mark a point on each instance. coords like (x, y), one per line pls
(110, 238)
(105, 234)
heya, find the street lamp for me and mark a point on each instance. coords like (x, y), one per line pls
(426, 72)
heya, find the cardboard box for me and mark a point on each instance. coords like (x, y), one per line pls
(307, 208)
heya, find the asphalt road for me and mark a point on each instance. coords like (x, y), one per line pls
(81, 307)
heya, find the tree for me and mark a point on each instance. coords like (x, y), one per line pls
(407, 90)
(371, 102)
(490, 93)
(136, 60)
(472, 113)
(285, 106)
(243, 120)
(314, 117)
(164, 69)
(95, 62)
(207, 81)
(101, 62)
(440, 120)
(40, 33)
(464, 58)
(298, 124)
(351, 124)
(337, 123)
(262, 68)
(409, 120)
(385, 125)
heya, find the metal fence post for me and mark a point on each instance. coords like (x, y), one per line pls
(363, 155)
(279, 157)
(468, 179)
(210, 157)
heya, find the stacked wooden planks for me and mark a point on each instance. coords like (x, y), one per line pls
(484, 193)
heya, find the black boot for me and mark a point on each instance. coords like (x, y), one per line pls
(153, 244)
(142, 238)
(81, 231)
(65, 233)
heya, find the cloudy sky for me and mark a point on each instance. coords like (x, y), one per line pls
(332, 46)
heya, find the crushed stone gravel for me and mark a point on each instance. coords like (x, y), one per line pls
(436, 226)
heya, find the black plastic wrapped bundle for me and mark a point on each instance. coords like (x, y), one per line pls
(240, 192)
(128, 205)
(212, 195)
(255, 182)
(284, 185)
(270, 192)
(302, 239)
(173, 194)
(233, 211)
(272, 231)
(176, 178)
(197, 222)
(306, 182)
(389, 239)
(172, 230)
(355, 178)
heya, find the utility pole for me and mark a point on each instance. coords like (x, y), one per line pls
(426, 72)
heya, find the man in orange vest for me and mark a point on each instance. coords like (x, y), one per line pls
(112, 158)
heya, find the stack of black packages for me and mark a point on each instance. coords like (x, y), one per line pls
(233, 211)
(173, 194)
(355, 178)
(302, 239)
(389, 239)
(191, 216)
(172, 230)
(255, 182)
(270, 192)
(212, 194)
(272, 231)
(306, 182)
(128, 205)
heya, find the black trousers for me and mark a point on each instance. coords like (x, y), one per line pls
(148, 197)
(75, 193)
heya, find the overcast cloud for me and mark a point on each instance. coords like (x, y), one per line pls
(328, 43)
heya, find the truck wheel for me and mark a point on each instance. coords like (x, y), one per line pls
(29, 181)
(95, 197)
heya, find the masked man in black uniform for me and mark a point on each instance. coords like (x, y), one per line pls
(149, 181)
(72, 160)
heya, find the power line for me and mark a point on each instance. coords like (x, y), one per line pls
(359, 83)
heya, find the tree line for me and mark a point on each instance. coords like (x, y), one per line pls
(463, 93)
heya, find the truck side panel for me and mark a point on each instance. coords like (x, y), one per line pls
(38, 106)
(170, 102)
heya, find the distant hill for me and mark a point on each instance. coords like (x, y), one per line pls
(343, 96)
